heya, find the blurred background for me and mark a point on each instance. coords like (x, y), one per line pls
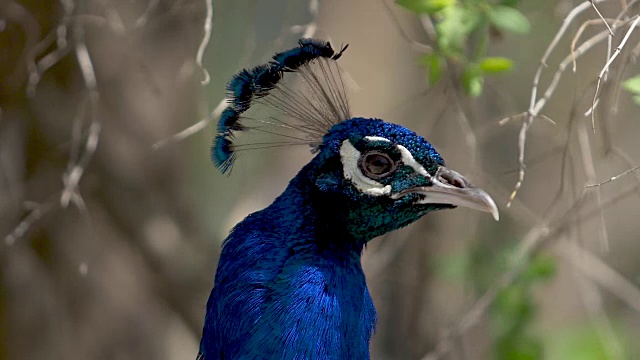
(111, 224)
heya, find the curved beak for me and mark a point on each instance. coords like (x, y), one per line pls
(450, 188)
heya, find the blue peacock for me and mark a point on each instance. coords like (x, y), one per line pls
(289, 283)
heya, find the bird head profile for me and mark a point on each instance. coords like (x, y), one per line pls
(289, 283)
(386, 176)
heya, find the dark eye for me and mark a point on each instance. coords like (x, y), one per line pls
(377, 165)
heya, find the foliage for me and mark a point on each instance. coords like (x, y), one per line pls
(583, 342)
(512, 314)
(632, 85)
(463, 28)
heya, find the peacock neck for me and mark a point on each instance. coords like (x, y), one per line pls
(312, 282)
(290, 283)
(315, 220)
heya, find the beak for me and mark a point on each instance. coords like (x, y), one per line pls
(450, 188)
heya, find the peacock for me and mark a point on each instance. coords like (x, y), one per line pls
(289, 283)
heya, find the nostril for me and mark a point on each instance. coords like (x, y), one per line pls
(453, 180)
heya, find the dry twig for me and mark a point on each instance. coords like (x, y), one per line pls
(614, 178)
(536, 105)
(205, 41)
(606, 68)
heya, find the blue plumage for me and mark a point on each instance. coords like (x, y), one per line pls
(289, 283)
(222, 154)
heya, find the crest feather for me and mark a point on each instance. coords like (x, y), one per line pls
(305, 109)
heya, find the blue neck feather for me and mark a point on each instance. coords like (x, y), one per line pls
(289, 286)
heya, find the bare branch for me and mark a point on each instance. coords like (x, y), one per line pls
(614, 178)
(193, 129)
(606, 68)
(415, 45)
(34, 215)
(601, 17)
(309, 30)
(581, 30)
(601, 273)
(152, 5)
(590, 171)
(506, 120)
(535, 105)
(543, 62)
(626, 158)
(205, 41)
(72, 176)
(539, 105)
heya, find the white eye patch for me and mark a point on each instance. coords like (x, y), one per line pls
(376, 138)
(350, 156)
(408, 160)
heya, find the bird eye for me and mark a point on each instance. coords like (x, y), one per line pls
(377, 165)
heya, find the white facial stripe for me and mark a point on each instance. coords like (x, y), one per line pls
(376, 138)
(408, 160)
(349, 156)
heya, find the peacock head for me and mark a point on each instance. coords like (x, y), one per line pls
(369, 175)
(376, 177)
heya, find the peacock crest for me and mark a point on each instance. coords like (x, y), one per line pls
(297, 111)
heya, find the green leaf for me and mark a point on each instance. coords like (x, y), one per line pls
(457, 23)
(636, 99)
(514, 304)
(541, 268)
(509, 19)
(434, 64)
(519, 348)
(425, 6)
(472, 81)
(494, 65)
(632, 85)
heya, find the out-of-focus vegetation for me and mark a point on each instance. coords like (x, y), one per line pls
(461, 31)
(110, 240)
(632, 85)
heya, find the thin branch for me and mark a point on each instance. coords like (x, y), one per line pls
(309, 30)
(614, 178)
(590, 171)
(73, 175)
(606, 68)
(34, 215)
(533, 112)
(469, 135)
(415, 45)
(152, 5)
(193, 129)
(205, 41)
(507, 119)
(543, 62)
(593, 5)
(536, 105)
(581, 30)
(626, 158)
(601, 273)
